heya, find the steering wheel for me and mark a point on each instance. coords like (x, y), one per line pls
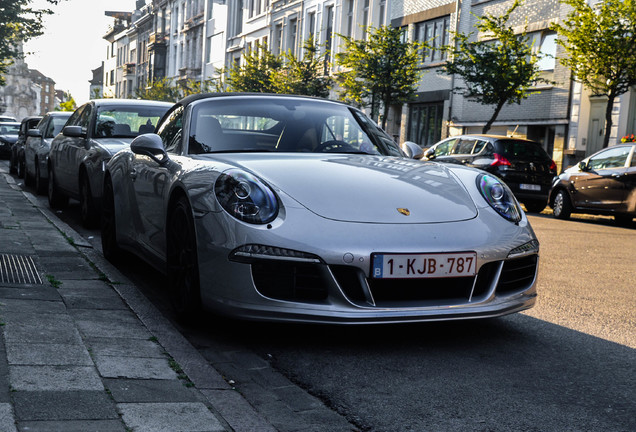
(334, 145)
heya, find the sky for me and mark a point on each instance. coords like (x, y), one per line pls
(72, 44)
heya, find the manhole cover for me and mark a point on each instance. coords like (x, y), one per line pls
(18, 269)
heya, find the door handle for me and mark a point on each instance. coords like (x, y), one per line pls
(133, 174)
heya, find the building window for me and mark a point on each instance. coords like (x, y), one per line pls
(436, 34)
(311, 25)
(278, 38)
(425, 123)
(545, 43)
(349, 28)
(328, 24)
(238, 17)
(382, 11)
(365, 19)
(293, 30)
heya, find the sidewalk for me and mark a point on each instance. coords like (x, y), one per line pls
(74, 356)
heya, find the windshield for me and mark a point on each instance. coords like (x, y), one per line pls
(127, 121)
(273, 124)
(9, 129)
(56, 125)
(516, 149)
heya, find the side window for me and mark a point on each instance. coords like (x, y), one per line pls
(611, 158)
(170, 131)
(633, 164)
(464, 146)
(479, 146)
(445, 148)
(44, 125)
(85, 117)
(74, 120)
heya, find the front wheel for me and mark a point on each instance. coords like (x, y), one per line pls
(535, 206)
(110, 248)
(183, 268)
(623, 220)
(88, 213)
(56, 198)
(40, 183)
(562, 207)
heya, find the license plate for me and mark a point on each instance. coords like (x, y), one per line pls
(530, 187)
(431, 265)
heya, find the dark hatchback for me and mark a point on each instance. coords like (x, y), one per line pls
(604, 183)
(522, 164)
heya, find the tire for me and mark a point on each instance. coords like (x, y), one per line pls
(182, 262)
(535, 206)
(40, 183)
(88, 212)
(20, 168)
(110, 248)
(623, 220)
(13, 168)
(562, 207)
(57, 199)
(28, 179)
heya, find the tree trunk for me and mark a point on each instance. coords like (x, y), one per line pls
(494, 117)
(385, 113)
(608, 118)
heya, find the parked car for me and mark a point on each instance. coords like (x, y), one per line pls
(604, 183)
(8, 136)
(7, 119)
(16, 160)
(290, 208)
(93, 133)
(523, 165)
(37, 147)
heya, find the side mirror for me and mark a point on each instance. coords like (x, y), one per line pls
(150, 145)
(74, 132)
(583, 166)
(429, 154)
(34, 133)
(412, 150)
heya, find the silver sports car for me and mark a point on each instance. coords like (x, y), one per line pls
(290, 208)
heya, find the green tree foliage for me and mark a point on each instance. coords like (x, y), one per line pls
(495, 72)
(165, 89)
(69, 103)
(19, 22)
(305, 76)
(600, 42)
(258, 72)
(379, 70)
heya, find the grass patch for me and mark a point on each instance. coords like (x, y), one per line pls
(54, 282)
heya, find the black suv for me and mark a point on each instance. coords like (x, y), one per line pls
(522, 164)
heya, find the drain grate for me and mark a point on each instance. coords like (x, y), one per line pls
(18, 269)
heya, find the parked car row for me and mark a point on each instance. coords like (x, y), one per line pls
(290, 208)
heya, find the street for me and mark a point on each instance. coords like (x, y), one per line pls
(565, 365)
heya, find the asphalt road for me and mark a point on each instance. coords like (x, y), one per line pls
(566, 365)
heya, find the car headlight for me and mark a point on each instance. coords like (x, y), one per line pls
(499, 196)
(246, 197)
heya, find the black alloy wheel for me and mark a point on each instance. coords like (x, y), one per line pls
(183, 268)
(562, 207)
(20, 167)
(110, 248)
(13, 166)
(623, 220)
(57, 199)
(88, 213)
(28, 179)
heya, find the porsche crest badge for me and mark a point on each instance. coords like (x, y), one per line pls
(404, 211)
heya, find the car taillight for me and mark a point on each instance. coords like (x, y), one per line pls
(500, 160)
(552, 166)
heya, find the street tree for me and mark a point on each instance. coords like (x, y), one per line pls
(165, 89)
(305, 76)
(380, 70)
(600, 42)
(19, 22)
(69, 103)
(258, 72)
(498, 71)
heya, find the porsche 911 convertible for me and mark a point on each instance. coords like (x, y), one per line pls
(289, 208)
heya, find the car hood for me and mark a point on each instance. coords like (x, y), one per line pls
(113, 145)
(364, 188)
(9, 138)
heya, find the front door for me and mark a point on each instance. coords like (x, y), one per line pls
(596, 132)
